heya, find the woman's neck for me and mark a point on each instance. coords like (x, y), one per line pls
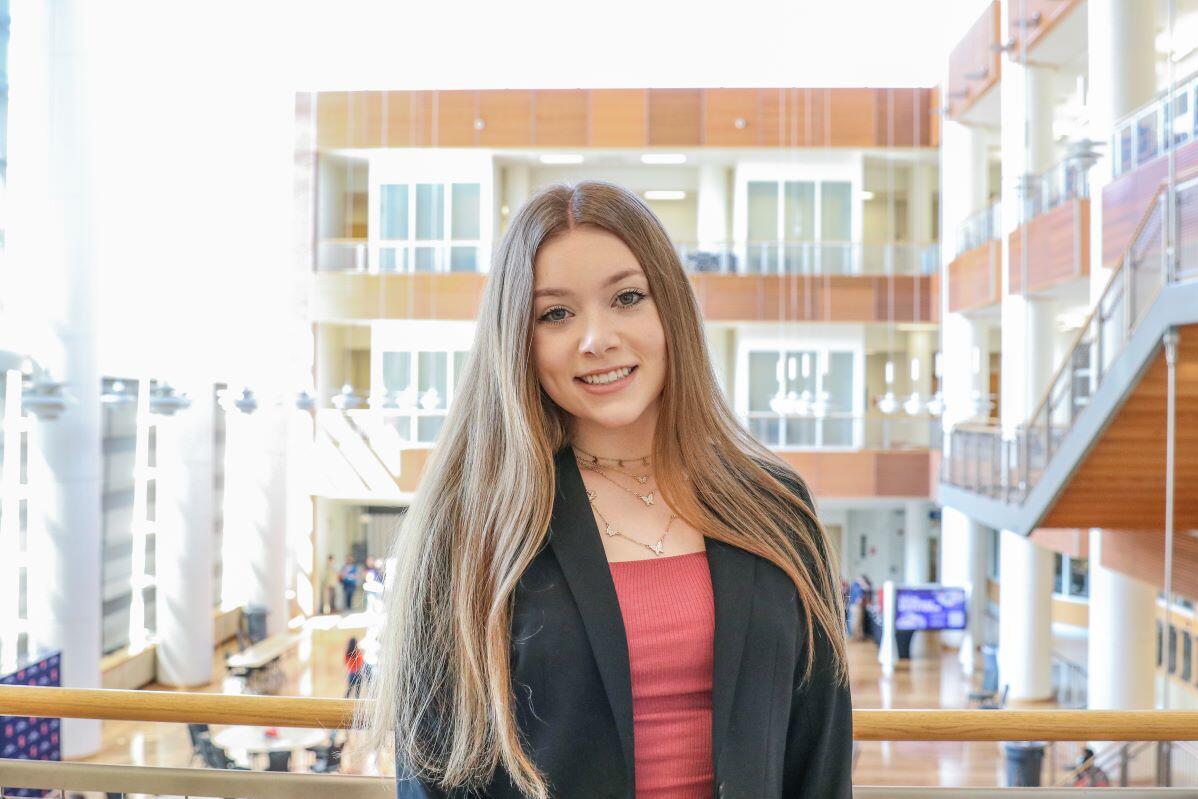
(630, 441)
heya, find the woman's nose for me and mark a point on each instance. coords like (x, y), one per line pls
(598, 337)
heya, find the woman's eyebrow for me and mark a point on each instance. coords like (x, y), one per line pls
(616, 278)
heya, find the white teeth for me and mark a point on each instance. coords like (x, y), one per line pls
(607, 377)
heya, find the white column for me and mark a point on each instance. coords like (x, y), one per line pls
(1121, 673)
(1121, 52)
(915, 543)
(1041, 152)
(921, 349)
(919, 205)
(255, 513)
(963, 563)
(185, 540)
(516, 187)
(1025, 618)
(51, 304)
(300, 512)
(713, 210)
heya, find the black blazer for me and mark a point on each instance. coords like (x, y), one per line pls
(570, 675)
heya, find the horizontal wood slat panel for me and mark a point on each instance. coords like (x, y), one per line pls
(974, 280)
(1034, 19)
(1058, 243)
(1125, 200)
(771, 117)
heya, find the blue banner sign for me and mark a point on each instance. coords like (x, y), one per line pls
(929, 608)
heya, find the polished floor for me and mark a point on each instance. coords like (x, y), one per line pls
(933, 680)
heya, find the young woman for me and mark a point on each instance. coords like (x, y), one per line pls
(605, 587)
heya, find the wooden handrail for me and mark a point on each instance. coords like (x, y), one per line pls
(868, 725)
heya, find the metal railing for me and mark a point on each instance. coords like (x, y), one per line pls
(980, 228)
(980, 458)
(1066, 180)
(1069, 681)
(784, 257)
(1167, 122)
(844, 431)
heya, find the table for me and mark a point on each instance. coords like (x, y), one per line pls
(254, 741)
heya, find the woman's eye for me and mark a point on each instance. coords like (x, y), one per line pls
(627, 299)
(557, 314)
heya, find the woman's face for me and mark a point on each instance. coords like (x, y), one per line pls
(598, 345)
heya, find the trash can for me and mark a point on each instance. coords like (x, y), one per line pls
(255, 622)
(1024, 761)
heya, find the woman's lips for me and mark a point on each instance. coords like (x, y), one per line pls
(607, 388)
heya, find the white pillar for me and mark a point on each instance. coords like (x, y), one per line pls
(51, 305)
(921, 348)
(1121, 77)
(255, 513)
(1025, 618)
(713, 202)
(919, 205)
(1041, 152)
(1121, 673)
(963, 563)
(516, 187)
(300, 512)
(915, 540)
(185, 540)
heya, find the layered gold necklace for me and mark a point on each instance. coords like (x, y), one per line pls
(592, 463)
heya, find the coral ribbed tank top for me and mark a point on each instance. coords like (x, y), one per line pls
(669, 621)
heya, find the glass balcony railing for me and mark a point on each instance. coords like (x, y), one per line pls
(1168, 122)
(1064, 181)
(758, 257)
(843, 431)
(357, 255)
(809, 258)
(979, 228)
(980, 458)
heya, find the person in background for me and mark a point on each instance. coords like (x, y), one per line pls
(1089, 775)
(328, 591)
(354, 665)
(856, 609)
(349, 581)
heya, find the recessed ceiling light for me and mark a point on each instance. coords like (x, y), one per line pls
(561, 158)
(663, 158)
(866, 196)
(665, 194)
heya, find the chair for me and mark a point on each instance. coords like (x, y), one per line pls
(215, 757)
(328, 756)
(996, 705)
(989, 677)
(278, 761)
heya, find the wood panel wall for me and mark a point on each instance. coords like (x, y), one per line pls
(779, 117)
(974, 278)
(974, 64)
(1125, 200)
(1072, 542)
(862, 473)
(348, 296)
(1120, 482)
(1058, 244)
(1141, 554)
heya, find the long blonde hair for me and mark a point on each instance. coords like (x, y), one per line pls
(482, 509)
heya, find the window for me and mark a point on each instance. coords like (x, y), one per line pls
(801, 398)
(419, 387)
(799, 227)
(429, 227)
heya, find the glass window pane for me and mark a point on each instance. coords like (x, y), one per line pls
(463, 259)
(1058, 565)
(1079, 577)
(836, 226)
(467, 214)
(402, 426)
(763, 379)
(426, 259)
(427, 428)
(767, 431)
(434, 380)
(393, 212)
(397, 371)
(430, 211)
(798, 211)
(800, 432)
(837, 433)
(763, 210)
(1146, 136)
(838, 382)
(801, 368)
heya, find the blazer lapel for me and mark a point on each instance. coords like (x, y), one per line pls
(732, 579)
(579, 551)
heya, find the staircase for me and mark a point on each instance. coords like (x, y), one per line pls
(1021, 482)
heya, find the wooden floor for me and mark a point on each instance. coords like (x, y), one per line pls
(933, 681)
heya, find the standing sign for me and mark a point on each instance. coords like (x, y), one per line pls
(26, 738)
(917, 607)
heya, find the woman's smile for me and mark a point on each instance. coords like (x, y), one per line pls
(607, 382)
